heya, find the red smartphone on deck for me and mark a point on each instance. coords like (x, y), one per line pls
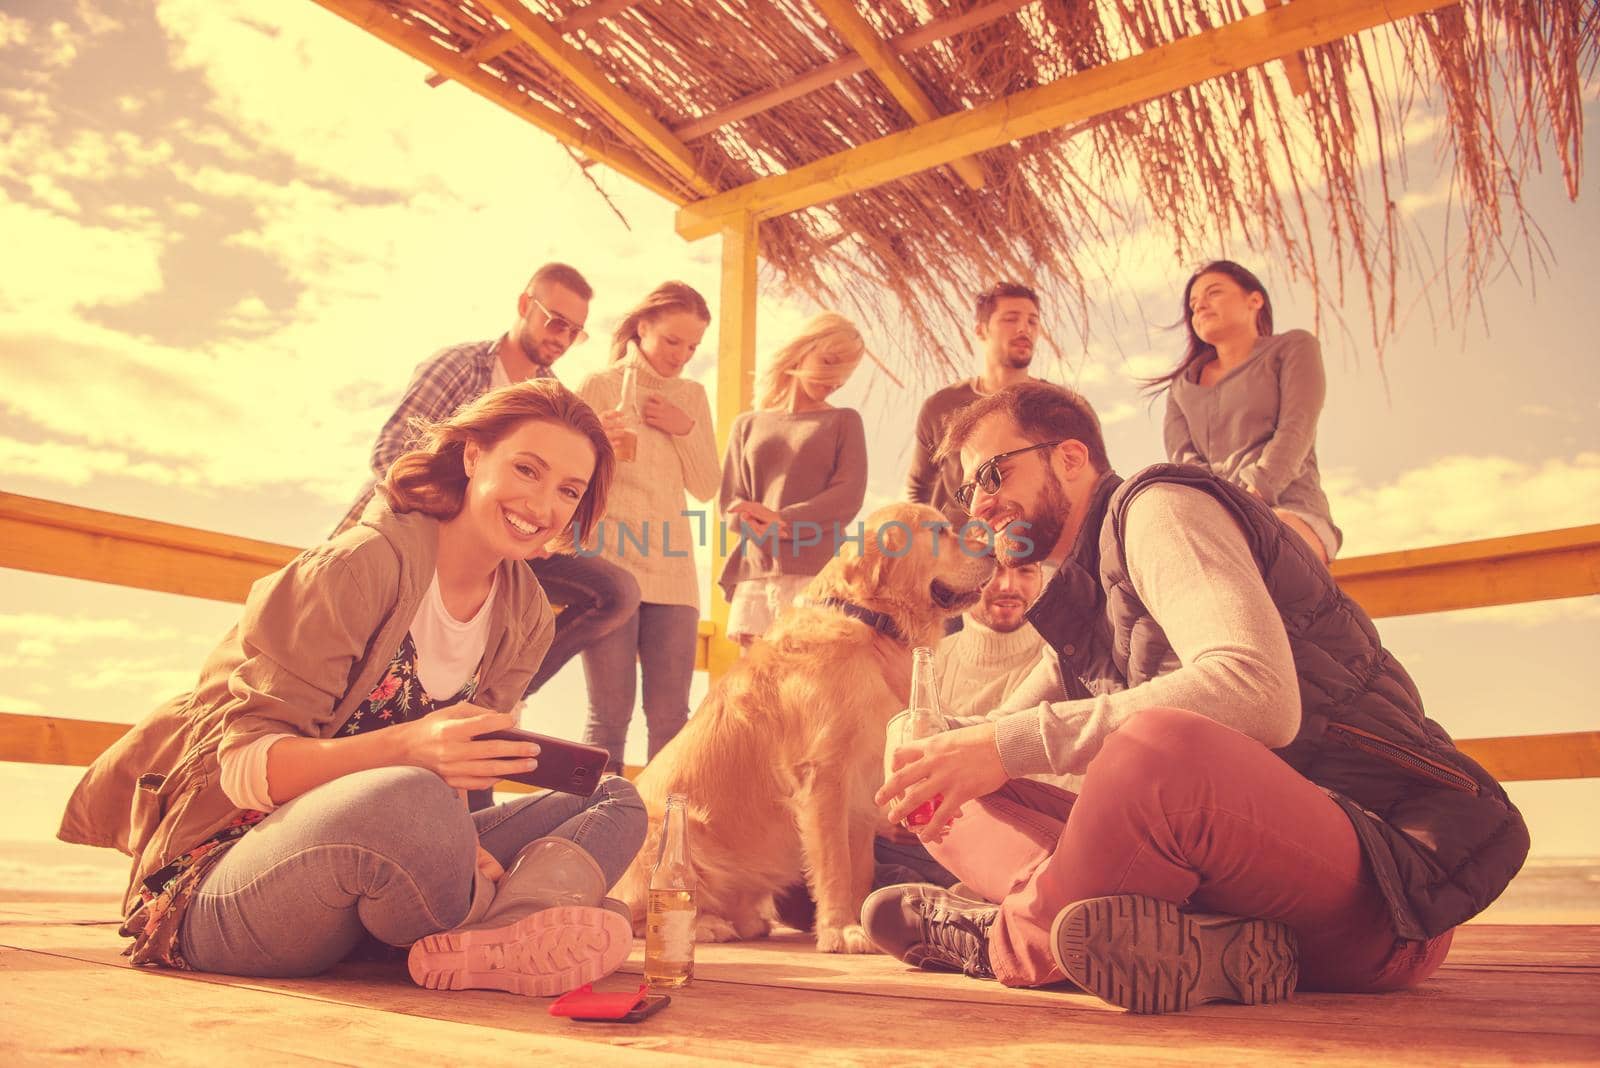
(566, 767)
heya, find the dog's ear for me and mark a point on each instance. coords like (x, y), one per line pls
(888, 543)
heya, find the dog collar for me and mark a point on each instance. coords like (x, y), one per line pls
(878, 621)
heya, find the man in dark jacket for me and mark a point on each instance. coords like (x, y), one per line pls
(1265, 804)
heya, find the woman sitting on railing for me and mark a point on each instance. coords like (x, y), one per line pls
(308, 792)
(1244, 402)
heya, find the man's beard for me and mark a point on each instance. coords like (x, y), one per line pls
(1044, 523)
(532, 348)
(984, 617)
(1019, 359)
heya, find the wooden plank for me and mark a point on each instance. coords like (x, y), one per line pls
(59, 539)
(592, 83)
(847, 66)
(28, 739)
(1466, 1017)
(76, 743)
(1524, 758)
(894, 74)
(1237, 46)
(736, 373)
(62, 539)
(83, 543)
(378, 21)
(51, 740)
(59, 1007)
(1294, 67)
(502, 41)
(1475, 574)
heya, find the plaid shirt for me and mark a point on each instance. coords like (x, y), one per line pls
(440, 385)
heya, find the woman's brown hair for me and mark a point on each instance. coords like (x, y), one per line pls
(432, 478)
(664, 299)
(1198, 351)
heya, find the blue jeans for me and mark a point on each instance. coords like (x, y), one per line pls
(660, 639)
(390, 851)
(596, 596)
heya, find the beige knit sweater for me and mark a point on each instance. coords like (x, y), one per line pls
(977, 668)
(647, 495)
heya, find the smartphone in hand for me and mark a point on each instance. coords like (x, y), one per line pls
(566, 767)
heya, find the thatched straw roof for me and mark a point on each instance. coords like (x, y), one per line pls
(708, 95)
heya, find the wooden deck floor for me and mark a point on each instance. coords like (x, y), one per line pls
(1507, 994)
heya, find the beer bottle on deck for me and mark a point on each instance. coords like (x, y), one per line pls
(669, 921)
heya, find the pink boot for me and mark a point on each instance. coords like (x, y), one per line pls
(541, 934)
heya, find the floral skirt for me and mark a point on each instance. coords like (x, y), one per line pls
(165, 895)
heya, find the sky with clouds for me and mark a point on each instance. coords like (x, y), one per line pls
(233, 229)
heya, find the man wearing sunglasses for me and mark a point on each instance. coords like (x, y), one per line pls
(1006, 324)
(1264, 804)
(597, 596)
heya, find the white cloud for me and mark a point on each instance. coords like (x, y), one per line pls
(45, 189)
(1464, 498)
(65, 464)
(62, 49)
(1120, 413)
(55, 266)
(73, 630)
(14, 30)
(21, 706)
(94, 20)
(1149, 364)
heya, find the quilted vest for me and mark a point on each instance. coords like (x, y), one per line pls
(1441, 836)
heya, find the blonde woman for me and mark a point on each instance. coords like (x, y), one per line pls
(665, 421)
(306, 793)
(794, 476)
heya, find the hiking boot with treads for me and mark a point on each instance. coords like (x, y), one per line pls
(546, 929)
(1148, 956)
(929, 927)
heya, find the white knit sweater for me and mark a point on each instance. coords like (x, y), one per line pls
(977, 667)
(648, 493)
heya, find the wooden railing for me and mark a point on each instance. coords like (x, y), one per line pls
(61, 539)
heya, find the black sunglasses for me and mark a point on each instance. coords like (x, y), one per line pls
(987, 477)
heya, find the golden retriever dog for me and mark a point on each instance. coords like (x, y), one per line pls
(780, 762)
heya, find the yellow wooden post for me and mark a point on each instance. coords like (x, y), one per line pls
(736, 369)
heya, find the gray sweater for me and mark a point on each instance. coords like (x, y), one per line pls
(810, 468)
(1192, 568)
(1257, 425)
(928, 482)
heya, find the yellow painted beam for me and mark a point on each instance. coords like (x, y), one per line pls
(1530, 757)
(1239, 45)
(502, 41)
(75, 743)
(71, 743)
(84, 543)
(736, 373)
(567, 61)
(845, 67)
(61, 539)
(892, 72)
(378, 21)
(1475, 574)
(1521, 758)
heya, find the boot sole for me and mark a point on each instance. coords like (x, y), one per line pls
(1147, 956)
(540, 955)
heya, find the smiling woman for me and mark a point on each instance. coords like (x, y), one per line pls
(356, 689)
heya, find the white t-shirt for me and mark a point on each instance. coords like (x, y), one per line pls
(448, 652)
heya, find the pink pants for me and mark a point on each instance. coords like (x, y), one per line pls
(1181, 808)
